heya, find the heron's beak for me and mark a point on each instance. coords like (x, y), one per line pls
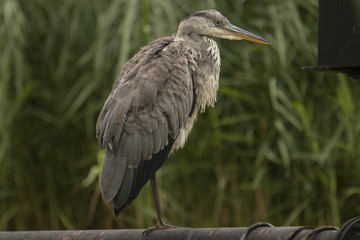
(236, 33)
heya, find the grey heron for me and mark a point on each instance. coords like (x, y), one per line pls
(154, 103)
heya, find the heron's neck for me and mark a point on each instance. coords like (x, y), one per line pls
(196, 40)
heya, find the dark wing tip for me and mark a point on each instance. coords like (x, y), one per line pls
(117, 211)
(145, 170)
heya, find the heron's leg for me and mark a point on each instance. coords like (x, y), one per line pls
(159, 221)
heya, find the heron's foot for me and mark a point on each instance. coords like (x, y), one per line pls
(158, 226)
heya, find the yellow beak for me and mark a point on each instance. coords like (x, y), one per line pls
(235, 33)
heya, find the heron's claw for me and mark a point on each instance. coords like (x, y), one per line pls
(158, 227)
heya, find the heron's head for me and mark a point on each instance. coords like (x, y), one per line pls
(211, 23)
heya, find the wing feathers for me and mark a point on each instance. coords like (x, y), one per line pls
(150, 143)
(103, 126)
(168, 110)
(112, 174)
(180, 109)
(193, 97)
(136, 178)
(165, 132)
(125, 188)
(148, 105)
(156, 141)
(144, 145)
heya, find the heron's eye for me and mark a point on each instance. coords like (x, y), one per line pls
(217, 23)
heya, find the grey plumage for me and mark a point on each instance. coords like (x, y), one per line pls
(155, 100)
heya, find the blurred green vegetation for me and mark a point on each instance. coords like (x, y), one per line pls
(282, 145)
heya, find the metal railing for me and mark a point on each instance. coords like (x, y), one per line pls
(259, 231)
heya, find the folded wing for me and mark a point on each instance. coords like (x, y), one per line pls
(141, 119)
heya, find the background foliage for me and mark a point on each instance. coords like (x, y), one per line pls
(282, 145)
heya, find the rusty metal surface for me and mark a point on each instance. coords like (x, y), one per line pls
(350, 230)
(259, 231)
(73, 235)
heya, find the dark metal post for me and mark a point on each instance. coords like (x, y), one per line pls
(339, 37)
